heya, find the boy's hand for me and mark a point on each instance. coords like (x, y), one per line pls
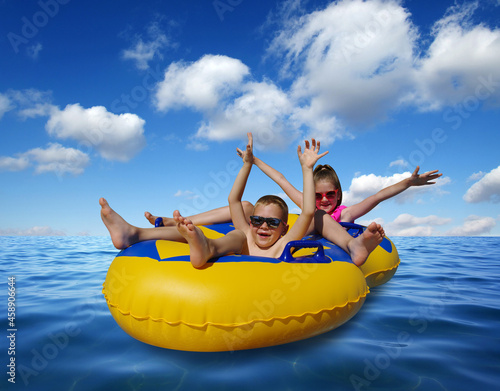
(310, 156)
(423, 179)
(247, 155)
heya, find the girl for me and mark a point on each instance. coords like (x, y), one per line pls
(328, 196)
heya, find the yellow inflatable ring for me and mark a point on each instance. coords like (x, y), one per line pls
(234, 302)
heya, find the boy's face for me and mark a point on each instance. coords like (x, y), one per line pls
(264, 236)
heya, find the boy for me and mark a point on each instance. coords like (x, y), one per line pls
(266, 235)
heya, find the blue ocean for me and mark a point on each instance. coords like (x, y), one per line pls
(434, 326)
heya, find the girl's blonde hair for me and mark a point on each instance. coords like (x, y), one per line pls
(274, 200)
(325, 172)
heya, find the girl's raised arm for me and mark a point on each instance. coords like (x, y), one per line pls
(294, 194)
(354, 212)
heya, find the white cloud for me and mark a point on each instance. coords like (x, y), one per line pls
(29, 103)
(349, 65)
(5, 105)
(201, 84)
(474, 225)
(487, 189)
(58, 159)
(461, 64)
(34, 50)
(55, 158)
(36, 110)
(408, 225)
(476, 176)
(350, 55)
(364, 186)
(143, 51)
(13, 163)
(146, 47)
(33, 231)
(116, 137)
(399, 163)
(185, 194)
(262, 109)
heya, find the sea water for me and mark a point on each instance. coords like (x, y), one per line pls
(434, 326)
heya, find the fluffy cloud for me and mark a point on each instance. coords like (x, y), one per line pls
(5, 105)
(58, 159)
(474, 225)
(29, 103)
(461, 64)
(55, 158)
(143, 51)
(353, 57)
(201, 84)
(116, 137)
(13, 163)
(346, 66)
(487, 189)
(364, 186)
(408, 225)
(262, 109)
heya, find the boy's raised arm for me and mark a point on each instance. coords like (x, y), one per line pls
(236, 194)
(307, 161)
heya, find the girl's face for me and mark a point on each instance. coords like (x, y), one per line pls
(326, 196)
(263, 235)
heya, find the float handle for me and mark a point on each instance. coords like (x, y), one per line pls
(353, 226)
(318, 257)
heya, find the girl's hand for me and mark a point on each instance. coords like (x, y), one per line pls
(311, 154)
(423, 179)
(247, 155)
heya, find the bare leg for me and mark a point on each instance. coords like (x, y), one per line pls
(358, 248)
(124, 234)
(201, 248)
(214, 216)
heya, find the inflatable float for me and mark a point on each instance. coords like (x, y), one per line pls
(238, 302)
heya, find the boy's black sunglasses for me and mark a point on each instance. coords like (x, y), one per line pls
(272, 222)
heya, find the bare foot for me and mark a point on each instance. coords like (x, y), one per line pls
(361, 246)
(122, 233)
(200, 249)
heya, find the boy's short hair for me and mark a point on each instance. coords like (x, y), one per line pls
(274, 200)
(325, 172)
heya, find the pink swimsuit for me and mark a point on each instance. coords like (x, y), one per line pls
(337, 212)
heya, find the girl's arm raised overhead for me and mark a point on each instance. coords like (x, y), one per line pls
(354, 212)
(236, 194)
(294, 194)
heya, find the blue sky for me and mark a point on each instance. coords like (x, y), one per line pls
(144, 103)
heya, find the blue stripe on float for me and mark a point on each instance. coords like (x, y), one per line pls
(141, 249)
